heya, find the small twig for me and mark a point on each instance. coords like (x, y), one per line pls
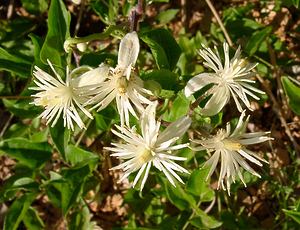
(191, 216)
(277, 109)
(215, 13)
(82, 133)
(195, 104)
(184, 14)
(136, 15)
(207, 210)
(263, 61)
(81, 10)
(10, 9)
(6, 125)
(15, 97)
(277, 73)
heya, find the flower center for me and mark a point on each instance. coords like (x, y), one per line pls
(231, 145)
(56, 96)
(145, 155)
(122, 84)
(222, 141)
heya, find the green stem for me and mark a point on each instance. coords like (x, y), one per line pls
(70, 42)
(191, 216)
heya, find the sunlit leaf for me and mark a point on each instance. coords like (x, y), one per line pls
(293, 93)
(58, 32)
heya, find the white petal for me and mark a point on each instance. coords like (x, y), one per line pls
(250, 158)
(198, 82)
(254, 140)
(92, 77)
(218, 100)
(146, 175)
(140, 172)
(128, 51)
(174, 130)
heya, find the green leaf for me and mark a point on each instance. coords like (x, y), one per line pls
(81, 220)
(166, 78)
(178, 109)
(138, 203)
(205, 221)
(77, 155)
(167, 16)
(35, 6)
(178, 196)
(64, 190)
(17, 211)
(58, 32)
(25, 183)
(296, 3)
(107, 12)
(14, 64)
(32, 154)
(164, 48)
(37, 44)
(17, 182)
(256, 40)
(94, 59)
(295, 215)
(60, 137)
(293, 93)
(197, 185)
(21, 108)
(32, 220)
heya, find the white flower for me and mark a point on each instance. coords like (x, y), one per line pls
(232, 78)
(230, 148)
(64, 97)
(121, 85)
(140, 152)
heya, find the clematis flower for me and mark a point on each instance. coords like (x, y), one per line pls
(230, 149)
(64, 97)
(120, 84)
(230, 79)
(152, 147)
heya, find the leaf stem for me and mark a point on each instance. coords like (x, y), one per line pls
(191, 216)
(71, 42)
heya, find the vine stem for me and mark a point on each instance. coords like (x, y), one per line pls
(71, 42)
(136, 15)
(191, 216)
(278, 112)
(82, 133)
(215, 13)
(80, 14)
(6, 125)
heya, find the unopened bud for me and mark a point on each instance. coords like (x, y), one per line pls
(82, 46)
(77, 2)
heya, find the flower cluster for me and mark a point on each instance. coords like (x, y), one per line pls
(85, 89)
